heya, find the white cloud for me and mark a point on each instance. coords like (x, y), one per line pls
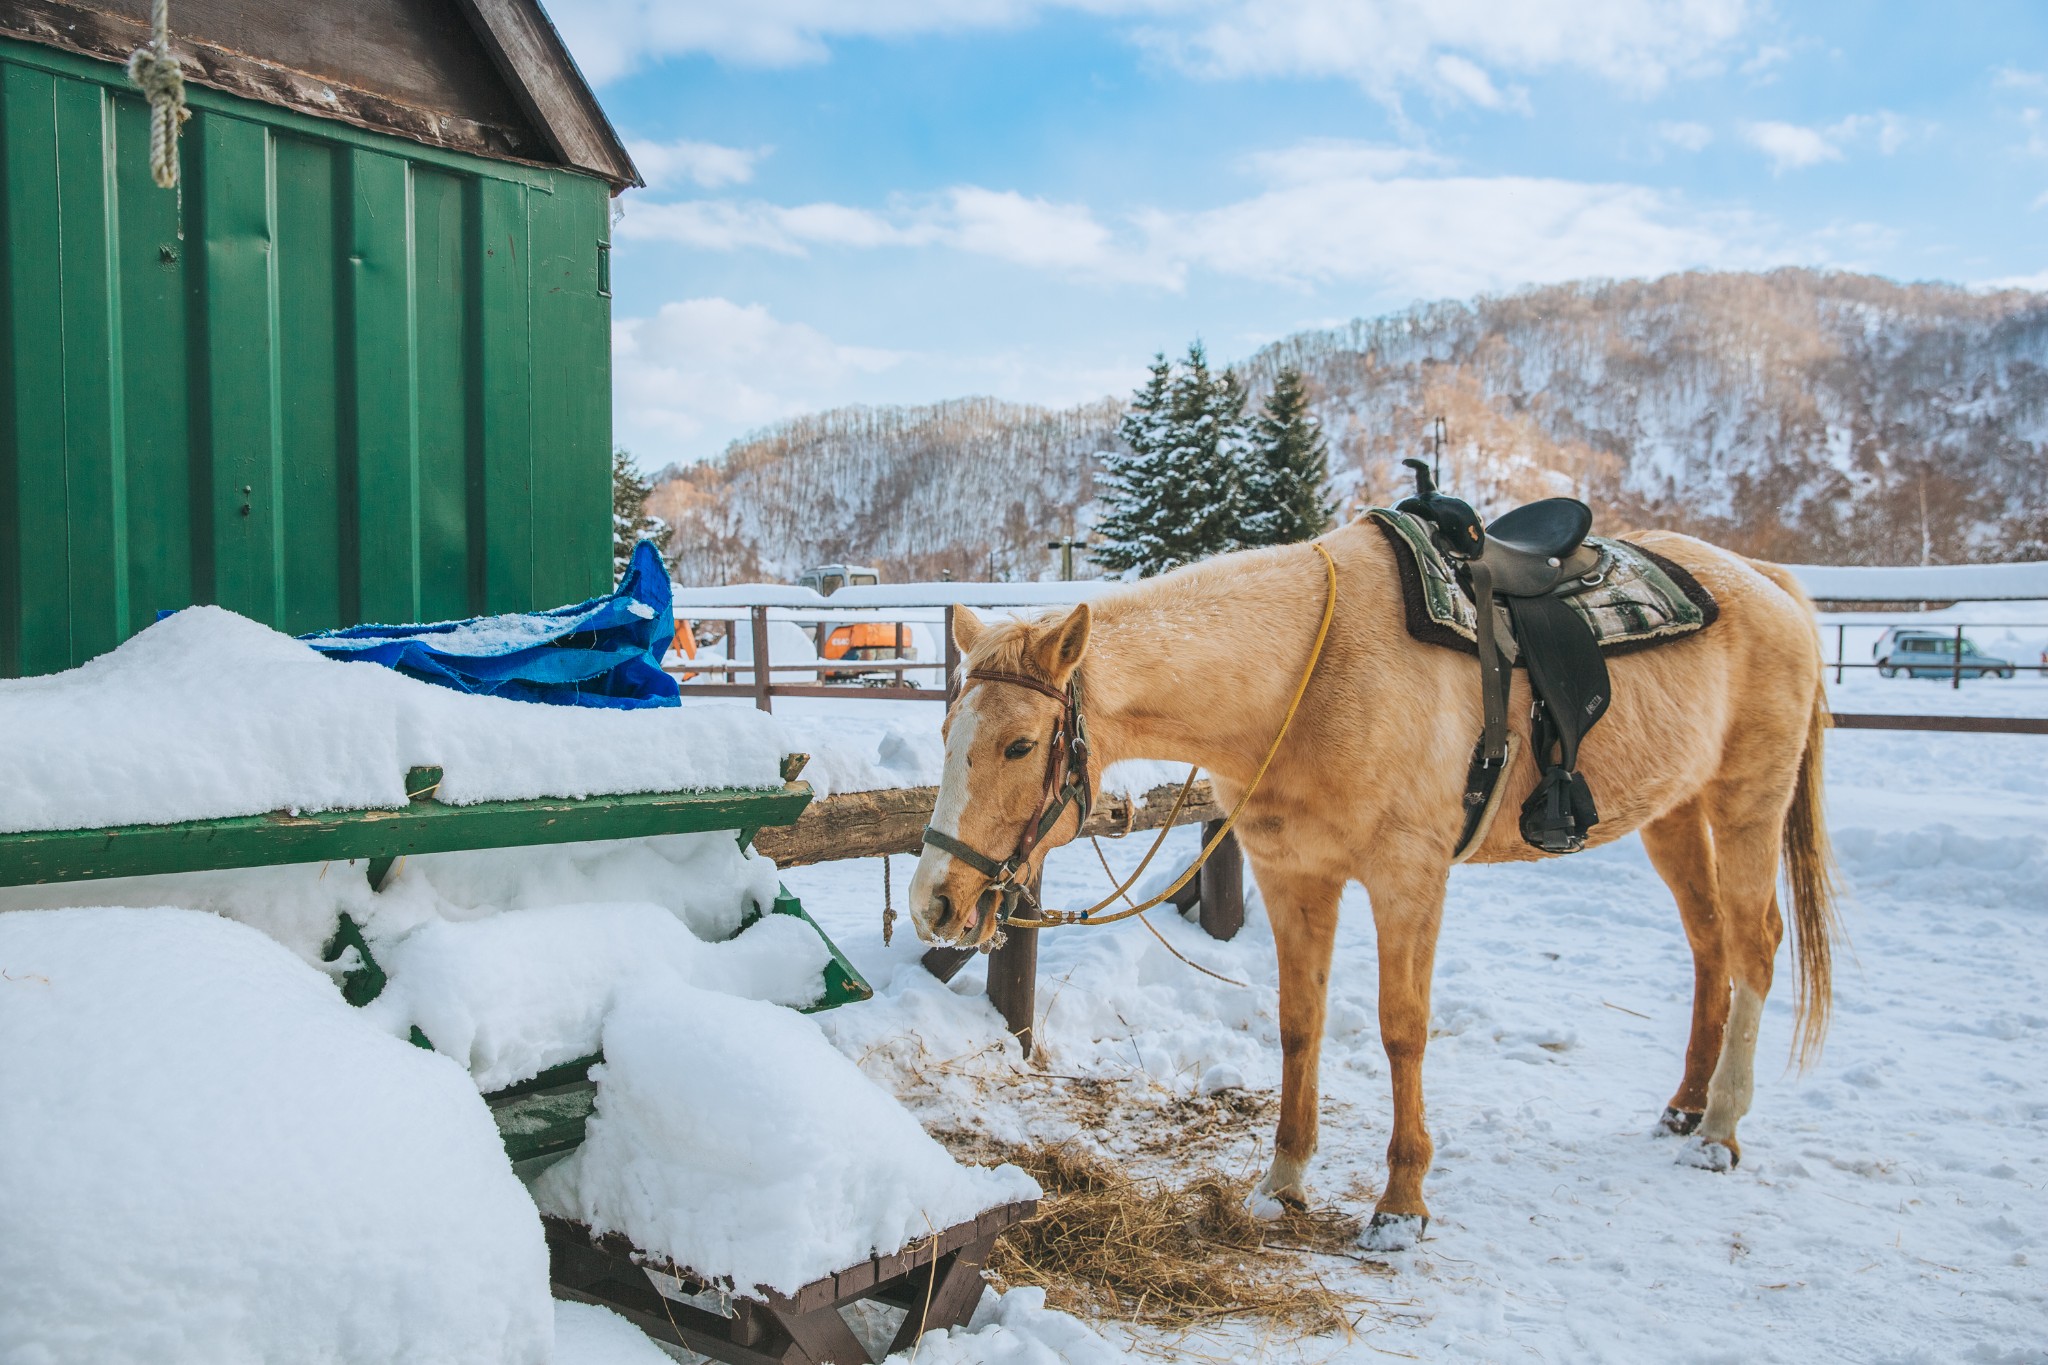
(1791, 146)
(1455, 49)
(2014, 78)
(1391, 44)
(1766, 57)
(1001, 224)
(1359, 213)
(714, 364)
(1691, 137)
(668, 164)
(2036, 282)
(1451, 235)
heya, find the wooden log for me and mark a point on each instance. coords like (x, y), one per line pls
(871, 824)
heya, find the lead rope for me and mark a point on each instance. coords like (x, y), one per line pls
(155, 71)
(1103, 858)
(1052, 919)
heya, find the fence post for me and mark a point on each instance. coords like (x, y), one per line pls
(1841, 643)
(952, 657)
(1955, 676)
(1013, 979)
(761, 698)
(1222, 883)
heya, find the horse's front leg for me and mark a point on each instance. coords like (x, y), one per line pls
(1407, 910)
(1302, 908)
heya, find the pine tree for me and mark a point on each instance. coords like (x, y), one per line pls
(630, 522)
(1135, 529)
(1284, 470)
(1171, 494)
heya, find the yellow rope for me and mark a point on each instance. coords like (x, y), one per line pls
(154, 69)
(1051, 919)
(1103, 858)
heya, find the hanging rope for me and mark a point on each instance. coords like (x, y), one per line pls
(155, 71)
(888, 905)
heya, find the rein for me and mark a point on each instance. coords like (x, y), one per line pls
(1066, 784)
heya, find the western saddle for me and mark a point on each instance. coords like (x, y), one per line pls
(1517, 570)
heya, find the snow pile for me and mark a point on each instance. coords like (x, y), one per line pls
(588, 1335)
(514, 994)
(732, 1138)
(1015, 1329)
(206, 1157)
(208, 714)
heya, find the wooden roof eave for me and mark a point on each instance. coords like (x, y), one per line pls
(538, 67)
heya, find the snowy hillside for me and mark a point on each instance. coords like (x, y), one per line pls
(1809, 417)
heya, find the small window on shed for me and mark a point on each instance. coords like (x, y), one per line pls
(833, 583)
(863, 580)
(604, 269)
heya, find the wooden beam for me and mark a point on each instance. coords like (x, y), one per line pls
(871, 824)
(36, 857)
(1975, 725)
(1221, 883)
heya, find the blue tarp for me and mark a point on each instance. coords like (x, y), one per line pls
(604, 652)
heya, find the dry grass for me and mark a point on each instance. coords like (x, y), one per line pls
(1107, 1245)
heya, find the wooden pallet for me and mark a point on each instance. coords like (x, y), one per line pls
(937, 1281)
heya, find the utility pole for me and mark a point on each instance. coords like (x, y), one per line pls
(1066, 548)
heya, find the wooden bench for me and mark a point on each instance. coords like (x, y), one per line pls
(935, 1280)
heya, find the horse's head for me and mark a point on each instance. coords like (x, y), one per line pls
(1008, 750)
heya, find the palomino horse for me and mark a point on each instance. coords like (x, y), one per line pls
(1711, 748)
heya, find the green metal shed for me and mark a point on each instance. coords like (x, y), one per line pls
(355, 367)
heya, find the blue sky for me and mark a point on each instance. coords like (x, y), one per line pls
(899, 201)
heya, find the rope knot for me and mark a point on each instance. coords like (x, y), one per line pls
(155, 71)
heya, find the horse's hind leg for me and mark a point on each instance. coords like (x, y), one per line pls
(1746, 872)
(1682, 851)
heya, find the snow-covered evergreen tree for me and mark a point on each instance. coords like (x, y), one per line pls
(1135, 528)
(630, 522)
(1284, 470)
(1170, 495)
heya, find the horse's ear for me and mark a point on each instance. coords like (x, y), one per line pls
(1058, 652)
(967, 628)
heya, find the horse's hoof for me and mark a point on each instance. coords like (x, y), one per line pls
(1678, 1122)
(1710, 1154)
(1395, 1231)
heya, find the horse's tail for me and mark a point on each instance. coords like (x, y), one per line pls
(1810, 871)
(1810, 866)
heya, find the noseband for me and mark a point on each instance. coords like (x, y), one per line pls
(1066, 784)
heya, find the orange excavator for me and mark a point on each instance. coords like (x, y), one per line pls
(867, 641)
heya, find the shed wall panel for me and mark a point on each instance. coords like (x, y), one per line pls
(334, 377)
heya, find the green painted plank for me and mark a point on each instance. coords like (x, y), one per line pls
(505, 383)
(95, 483)
(40, 604)
(443, 285)
(572, 409)
(235, 193)
(308, 303)
(153, 289)
(37, 857)
(381, 409)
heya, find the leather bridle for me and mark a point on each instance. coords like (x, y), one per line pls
(1066, 785)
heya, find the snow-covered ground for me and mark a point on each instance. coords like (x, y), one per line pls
(1892, 1204)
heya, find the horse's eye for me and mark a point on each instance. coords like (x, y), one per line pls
(1020, 747)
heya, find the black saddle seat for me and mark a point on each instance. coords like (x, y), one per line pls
(1532, 549)
(1551, 528)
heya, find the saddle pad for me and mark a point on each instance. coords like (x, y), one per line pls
(1643, 599)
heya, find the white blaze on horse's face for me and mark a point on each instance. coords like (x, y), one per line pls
(997, 747)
